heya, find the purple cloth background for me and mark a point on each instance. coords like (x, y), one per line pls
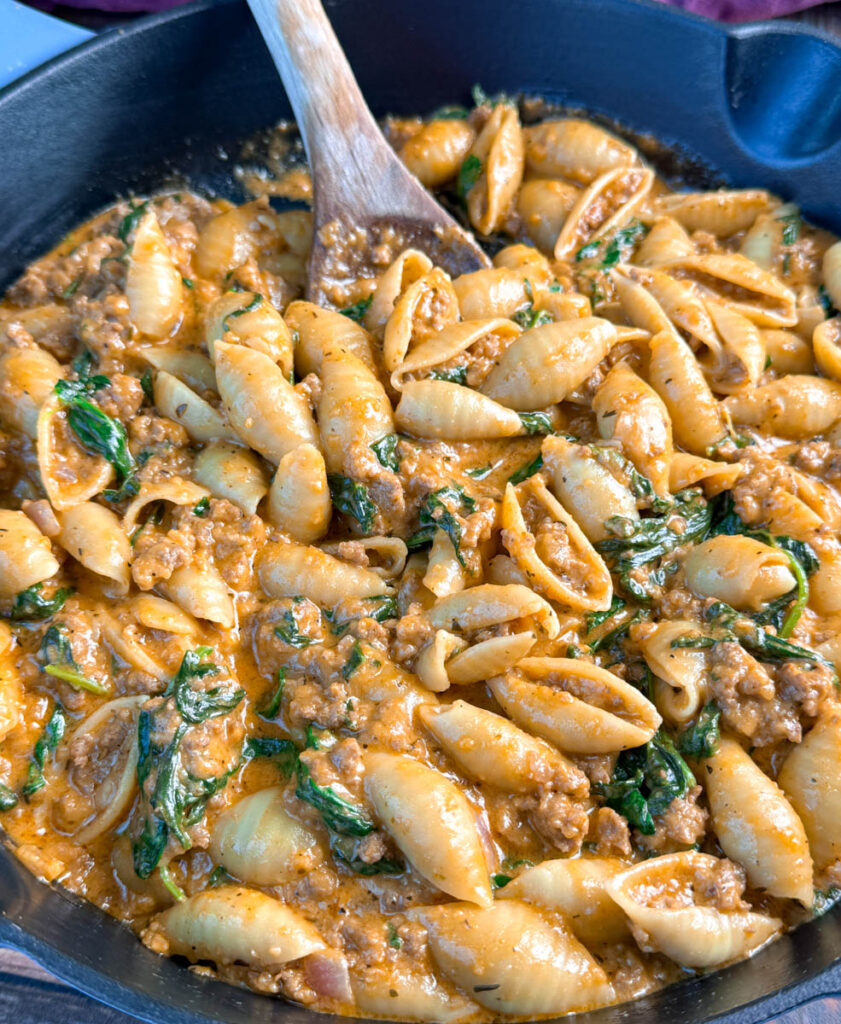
(725, 10)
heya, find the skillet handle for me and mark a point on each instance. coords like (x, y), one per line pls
(28, 38)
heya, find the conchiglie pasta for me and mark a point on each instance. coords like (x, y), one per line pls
(257, 841)
(182, 405)
(605, 205)
(491, 749)
(411, 997)
(227, 240)
(513, 959)
(796, 406)
(574, 149)
(232, 924)
(93, 535)
(11, 686)
(681, 672)
(230, 471)
(27, 378)
(435, 153)
(658, 896)
(811, 780)
(25, 554)
(249, 319)
(262, 406)
(543, 206)
(438, 409)
(721, 212)
(432, 822)
(318, 328)
(715, 477)
(490, 604)
(500, 151)
(497, 291)
(577, 889)
(299, 497)
(738, 570)
(578, 706)
(488, 657)
(756, 825)
(66, 482)
(290, 570)
(153, 282)
(201, 591)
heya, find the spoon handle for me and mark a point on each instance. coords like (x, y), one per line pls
(341, 137)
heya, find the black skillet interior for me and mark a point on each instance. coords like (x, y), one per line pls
(172, 98)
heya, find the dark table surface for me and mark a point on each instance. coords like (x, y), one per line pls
(28, 995)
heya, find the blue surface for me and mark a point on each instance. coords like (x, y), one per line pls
(28, 38)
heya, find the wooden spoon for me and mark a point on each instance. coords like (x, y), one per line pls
(368, 207)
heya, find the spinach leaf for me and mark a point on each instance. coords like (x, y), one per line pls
(646, 780)
(172, 887)
(439, 511)
(72, 288)
(219, 876)
(50, 737)
(30, 606)
(394, 939)
(468, 175)
(456, 375)
(616, 249)
(449, 112)
(529, 317)
(480, 472)
(696, 641)
(355, 659)
(702, 737)
(148, 386)
(343, 850)
(791, 227)
(641, 487)
(57, 653)
(8, 798)
(196, 706)
(289, 633)
(386, 609)
(352, 498)
(825, 301)
(281, 752)
(147, 849)
(338, 814)
(99, 433)
(536, 422)
(386, 451)
(271, 708)
(202, 507)
(524, 472)
(357, 311)
(500, 881)
(594, 619)
(130, 221)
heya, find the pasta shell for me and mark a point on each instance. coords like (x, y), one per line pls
(605, 205)
(513, 959)
(93, 535)
(679, 302)
(262, 406)
(299, 497)
(501, 151)
(720, 212)
(630, 411)
(386, 555)
(546, 363)
(825, 344)
(431, 663)
(543, 206)
(591, 711)
(437, 409)
(715, 477)
(25, 554)
(552, 551)
(490, 604)
(796, 407)
(228, 240)
(832, 273)
(121, 633)
(155, 613)
(27, 378)
(430, 298)
(691, 935)
(787, 352)
(493, 750)
(174, 490)
(153, 281)
(256, 841)
(488, 658)
(665, 242)
(574, 149)
(113, 768)
(738, 570)
(449, 343)
(742, 360)
(741, 284)
(66, 484)
(586, 488)
(675, 375)
(811, 779)
(576, 889)
(408, 267)
(291, 570)
(182, 405)
(11, 685)
(680, 672)
(353, 412)
(318, 328)
(444, 573)
(825, 584)
(232, 472)
(201, 591)
(756, 826)
(188, 365)
(248, 319)
(435, 153)
(231, 924)
(377, 992)
(432, 822)
(497, 291)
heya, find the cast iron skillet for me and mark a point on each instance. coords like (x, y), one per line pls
(173, 96)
